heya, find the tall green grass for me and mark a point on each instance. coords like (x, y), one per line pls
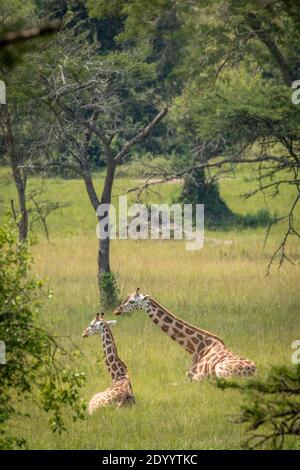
(221, 288)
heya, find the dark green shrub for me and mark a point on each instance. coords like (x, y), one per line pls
(36, 365)
(272, 407)
(109, 290)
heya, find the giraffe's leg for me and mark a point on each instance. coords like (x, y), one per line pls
(235, 368)
(198, 371)
(196, 377)
(126, 401)
(190, 375)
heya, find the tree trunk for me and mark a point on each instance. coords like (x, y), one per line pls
(23, 222)
(103, 251)
(19, 177)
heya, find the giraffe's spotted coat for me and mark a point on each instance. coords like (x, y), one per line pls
(120, 393)
(209, 353)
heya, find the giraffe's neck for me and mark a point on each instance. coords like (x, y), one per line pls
(191, 338)
(116, 368)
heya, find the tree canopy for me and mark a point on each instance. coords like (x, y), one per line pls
(224, 69)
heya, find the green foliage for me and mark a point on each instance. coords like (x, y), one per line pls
(102, 8)
(109, 290)
(36, 368)
(262, 218)
(16, 15)
(272, 408)
(142, 166)
(226, 89)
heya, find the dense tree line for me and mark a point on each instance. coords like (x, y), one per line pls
(224, 69)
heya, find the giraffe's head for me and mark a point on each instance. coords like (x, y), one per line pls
(133, 301)
(97, 326)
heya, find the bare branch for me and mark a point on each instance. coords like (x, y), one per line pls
(281, 249)
(143, 134)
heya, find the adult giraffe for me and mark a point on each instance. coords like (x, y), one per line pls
(210, 355)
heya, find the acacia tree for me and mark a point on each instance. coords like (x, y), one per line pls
(163, 28)
(21, 118)
(19, 176)
(239, 61)
(247, 103)
(93, 98)
(15, 155)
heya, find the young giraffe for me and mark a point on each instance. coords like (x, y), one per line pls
(210, 355)
(120, 393)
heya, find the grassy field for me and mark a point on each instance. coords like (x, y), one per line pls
(219, 288)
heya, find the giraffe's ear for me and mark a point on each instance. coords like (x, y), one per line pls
(137, 291)
(146, 297)
(98, 316)
(111, 322)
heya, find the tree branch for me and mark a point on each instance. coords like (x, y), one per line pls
(141, 135)
(15, 37)
(255, 24)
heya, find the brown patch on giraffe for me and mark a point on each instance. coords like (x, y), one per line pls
(109, 350)
(114, 367)
(110, 358)
(188, 331)
(178, 333)
(155, 320)
(190, 346)
(178, 325)
(211, 355)
(159, 313)
(194, 339)
(165, 328)
(206, 368)
(168, 320)
(200, 369)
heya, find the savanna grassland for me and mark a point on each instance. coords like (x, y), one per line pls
(221, 288)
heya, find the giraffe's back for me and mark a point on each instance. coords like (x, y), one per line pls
(221, 362)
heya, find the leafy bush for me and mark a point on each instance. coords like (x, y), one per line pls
(272, 407)
(36, 365)
(262, 218)
(109, 290)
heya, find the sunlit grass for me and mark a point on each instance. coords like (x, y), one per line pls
(220, 288)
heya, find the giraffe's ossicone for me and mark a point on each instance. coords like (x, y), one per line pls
(210, 355)
(120, 393)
